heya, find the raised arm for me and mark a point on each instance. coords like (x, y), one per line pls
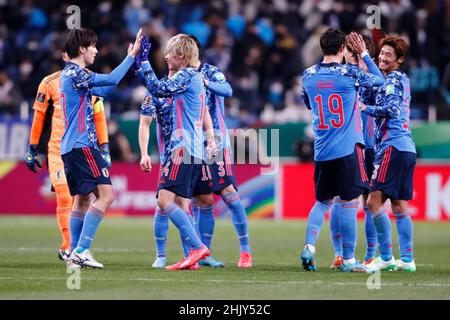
(165, 88)
(92, 79)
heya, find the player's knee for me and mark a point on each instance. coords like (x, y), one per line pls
(399, 206)
(81, 203)
(205, 200)
(108, 198)
(163, 203)
(184, 205)
(373, 204)
(228, 189)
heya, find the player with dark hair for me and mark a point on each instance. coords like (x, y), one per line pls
(85, 167)
(45, 138)
(330, 91)
(352, 57)
(395, 157)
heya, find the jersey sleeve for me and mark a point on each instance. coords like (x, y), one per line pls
(88, 79)
(367, 95)
(305, 98)
(362, 79)
(41, 102)
(219, 85)
(148, 106)
(102, 91)
(391, 107)
(178, 83)
(371, 66)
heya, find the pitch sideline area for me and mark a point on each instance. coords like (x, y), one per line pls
(29, 268)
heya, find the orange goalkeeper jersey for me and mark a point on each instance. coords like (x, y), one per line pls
(48, 97)
(49, 131)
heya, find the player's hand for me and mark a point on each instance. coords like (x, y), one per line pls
(146, 163)
(145, 49)
(31, 158)
(143, 54)
(133, 49)
(363, 107)
(211, 149)
(104, 151)
(357, 42)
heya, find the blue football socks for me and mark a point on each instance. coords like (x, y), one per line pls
(160, 230)
(206, 224)
(91, 222)
(196, 213)
(347, 212)
(185, 243)
(315, 221)
(181, 221)
(405, 232)
(371, 235)
(335, 229)
(239, 218)
(383, 227)
(76, 225)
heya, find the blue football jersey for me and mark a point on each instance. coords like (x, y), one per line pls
(162, 110)
(188, 92)
(217, 89)
(331, 92)
(391, 112)
(77, 86)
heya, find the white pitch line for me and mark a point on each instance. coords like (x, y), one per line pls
(316, 282)
(35, 249)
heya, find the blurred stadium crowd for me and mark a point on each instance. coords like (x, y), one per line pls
(262, 45)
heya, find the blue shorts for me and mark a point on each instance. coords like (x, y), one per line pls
(180, 173)
(222, 172)
(85, 169)
(202, 184)
(345, 177)
(369, 158)
(393, 173)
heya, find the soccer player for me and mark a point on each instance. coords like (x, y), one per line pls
(330, 91)
(395, 157)
(181, 171)
(221, 170)
(45, 137)
(86, 169)
(161, 109)
(351, 57)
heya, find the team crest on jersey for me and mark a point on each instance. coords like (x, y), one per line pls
(105, 172)
(59, 174)
(40, 97)
(146, 101)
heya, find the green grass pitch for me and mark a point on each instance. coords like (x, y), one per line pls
(29, 268)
